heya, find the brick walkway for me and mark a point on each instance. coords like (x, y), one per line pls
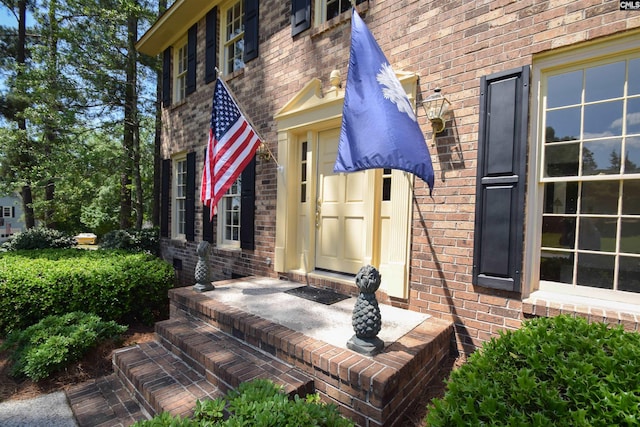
(104, 402)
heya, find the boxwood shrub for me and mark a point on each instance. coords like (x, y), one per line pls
(560, 371)
(116, 285)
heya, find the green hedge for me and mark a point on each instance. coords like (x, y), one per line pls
(55, 342)
(559, 371)
(115, 285)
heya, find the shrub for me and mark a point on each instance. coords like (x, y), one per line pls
(115, 285)
(40, 238)
(558, 371)
(258, 403)
(145, 240)
(55, 342)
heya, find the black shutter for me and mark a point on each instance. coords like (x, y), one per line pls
(300, 16)
(207, 224)
(166, 77)
(502, 142)
(210, 51)
(191, 58)
(248, 206)
(250, 30)
(164, 197)
(13, 211)
(190, 198)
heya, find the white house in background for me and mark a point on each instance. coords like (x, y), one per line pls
(11, 216)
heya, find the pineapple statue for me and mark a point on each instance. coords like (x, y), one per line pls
(203, 279)
(366, 319)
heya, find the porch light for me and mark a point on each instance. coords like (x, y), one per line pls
(437, 107)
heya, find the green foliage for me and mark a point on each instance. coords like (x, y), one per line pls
(145, 240)
(559, 371)
(115, 285)
(40, 238)
(55, 342)
(258, 403)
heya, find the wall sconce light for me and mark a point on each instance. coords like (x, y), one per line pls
(263, 152)
(437, 107)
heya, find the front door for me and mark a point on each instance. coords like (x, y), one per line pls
(342, 221)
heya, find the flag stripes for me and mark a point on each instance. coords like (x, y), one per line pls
(231, 146)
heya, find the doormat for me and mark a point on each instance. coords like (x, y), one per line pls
(323, 296)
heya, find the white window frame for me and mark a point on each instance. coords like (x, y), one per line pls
(179, 197)
(229, 220)
(180, 65)
(320, 7)
(6, 211)
(546, 65)
(232, 37)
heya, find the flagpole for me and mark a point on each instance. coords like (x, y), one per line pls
(246, 116)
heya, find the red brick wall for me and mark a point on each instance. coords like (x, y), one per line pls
(450, 44)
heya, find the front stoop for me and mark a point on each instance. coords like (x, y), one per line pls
(372, 391)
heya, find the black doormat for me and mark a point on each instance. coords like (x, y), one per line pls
(322, 296)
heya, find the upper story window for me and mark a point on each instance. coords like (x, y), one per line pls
(6, 211)
(179, 197)
(589, 174)
(180, 71)
(329, 9)
(233, 40)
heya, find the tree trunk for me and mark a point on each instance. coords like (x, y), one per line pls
(157, 154)
(27, 197)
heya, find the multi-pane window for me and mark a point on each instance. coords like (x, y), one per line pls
(230, 214)
(180, 197)
(331, 8)
(233, 37)
(590, 173)
(6, 211)
(180, 81)
(303, 172)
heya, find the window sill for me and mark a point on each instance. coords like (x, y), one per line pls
(548, 304)
(333, 22)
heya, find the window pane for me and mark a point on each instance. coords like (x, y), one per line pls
(633, 116)
(601, 157)
(630, 199)
(562, 159)
(634, 77)
(630, 236)
(629, 275)
(595, 270)
(632, 156)
(599, 197)
(558, 232)
(556, 266)
(602, 120)
(604, 82)
(564, 89)
(563, 125)
(597, 234)
(560, 197)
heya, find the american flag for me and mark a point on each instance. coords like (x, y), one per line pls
(231, 146)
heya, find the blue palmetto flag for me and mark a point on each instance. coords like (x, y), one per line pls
(379, 126)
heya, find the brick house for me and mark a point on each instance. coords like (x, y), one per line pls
(534, 210)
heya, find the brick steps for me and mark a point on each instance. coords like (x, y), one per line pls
(160, 381)
(208, 347)
(226, 361)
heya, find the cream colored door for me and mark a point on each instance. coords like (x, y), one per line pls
(342, 222)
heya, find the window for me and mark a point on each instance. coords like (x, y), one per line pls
(589, 174)
(180, 71)
(233, 37)
(6, 211)
(179, 197)
(329, 9)
(229, 215)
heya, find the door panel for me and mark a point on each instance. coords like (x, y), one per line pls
(341, 219)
